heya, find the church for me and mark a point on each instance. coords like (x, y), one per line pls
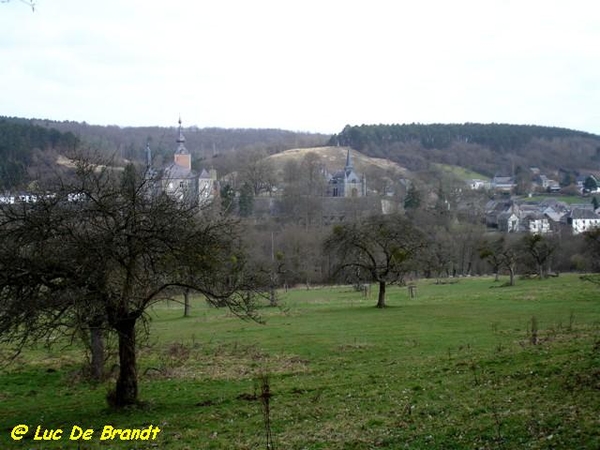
(346, 183)
(179, 181)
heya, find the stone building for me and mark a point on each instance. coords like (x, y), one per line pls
(180, 181)
(346, 182)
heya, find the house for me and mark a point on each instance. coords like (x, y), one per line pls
(580, 220)
(495, 212)
(346, 182)
(554, 217)
(535, 223)
(553, 186)
(504, 184)
(508, 222)
(207, 185)
(528, 217)
(475, 184)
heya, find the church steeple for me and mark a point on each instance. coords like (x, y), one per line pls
(349, 167)
(181, 140)
(182, 156)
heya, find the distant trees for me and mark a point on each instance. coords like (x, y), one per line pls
(501, 253)
(533, 251)
(104, 260)
(496, 136)
(413, 198)
(380, 247)
(245, 200)
(484, 148)
(592, 247)
(21, 148)
(539, 249)
(438, 257)
(590, 184)
(304, 188)
(257, 172)
(466, 237)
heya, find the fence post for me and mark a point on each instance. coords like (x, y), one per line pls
(412, 290)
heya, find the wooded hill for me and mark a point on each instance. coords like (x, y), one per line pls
(29, 147)
(28, 150)
(485, 148)
(203, 143)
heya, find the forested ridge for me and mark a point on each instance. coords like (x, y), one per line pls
(130, 142)
(485, 148)
(24, 146)
(28, 147)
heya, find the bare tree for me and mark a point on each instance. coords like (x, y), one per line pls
(305, 185)
(592, 244)
(381, 246)
(258, 172)
(437, 259)
(27, 2)
(539, 249)
(109, 256)
(501, 253)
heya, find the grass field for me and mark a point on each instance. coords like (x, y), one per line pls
(469, 365)
(461, 172)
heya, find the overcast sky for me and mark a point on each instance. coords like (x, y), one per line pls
(310, 65)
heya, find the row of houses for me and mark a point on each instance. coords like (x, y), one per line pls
(539, 182)
(547, 216)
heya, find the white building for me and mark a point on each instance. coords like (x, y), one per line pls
(582, 220)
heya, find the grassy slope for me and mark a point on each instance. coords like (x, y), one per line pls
(334, 159)
(452, 369)
(461, 172)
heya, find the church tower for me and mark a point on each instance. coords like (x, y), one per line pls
(349, 167)
(182, 156)
(347, 183)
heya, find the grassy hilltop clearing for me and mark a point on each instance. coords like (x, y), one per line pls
(470, 364)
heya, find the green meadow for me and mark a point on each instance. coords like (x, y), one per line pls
(461, 173)
(464, 365)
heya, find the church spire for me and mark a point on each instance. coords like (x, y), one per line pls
(180, 138)
(349, 165)
(182, 156)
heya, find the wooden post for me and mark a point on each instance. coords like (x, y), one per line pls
(412, 290)
(366, 290)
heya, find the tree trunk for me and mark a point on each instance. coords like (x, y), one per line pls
(381, 296)
(272, 296)
(186, 303)
(97, 348)
(511, 271)
(127, 388)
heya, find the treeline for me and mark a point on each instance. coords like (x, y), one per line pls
(485, 148)
(29, 147)
(23, 145)
(203, 143)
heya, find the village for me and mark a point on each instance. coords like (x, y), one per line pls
(344, 195)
